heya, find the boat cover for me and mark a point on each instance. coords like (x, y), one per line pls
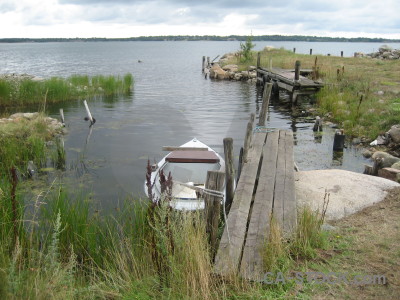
(192, 157)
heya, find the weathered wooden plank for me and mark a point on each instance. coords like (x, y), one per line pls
(252, 261)
(280, 180)
(289, 204)
(230, 248)
(215, 181)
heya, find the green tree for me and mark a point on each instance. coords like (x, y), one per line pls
(246, 49)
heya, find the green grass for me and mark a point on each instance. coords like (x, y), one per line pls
(378, 82)
(22, 92)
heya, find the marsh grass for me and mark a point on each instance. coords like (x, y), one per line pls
(20, 92)
(346, 79)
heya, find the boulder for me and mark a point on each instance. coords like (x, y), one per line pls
(385, 48)
(218, 73)
(394, 133)
(349, 192)
(230, 68)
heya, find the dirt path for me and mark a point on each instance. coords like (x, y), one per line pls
(368, 243)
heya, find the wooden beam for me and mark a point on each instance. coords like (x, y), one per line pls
(257, 235)
(215, 181)
(230, 248)
(289, 204)
(230, 173)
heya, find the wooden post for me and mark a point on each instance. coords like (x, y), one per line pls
(294, 50)
(310, 51)
(203, 64)
(92, 121)
(62, 117)
(341, 53)
(258, 60)
(247, 140)
(317, 124)
(264, 107)
(229, 173)
(215, 181)
(252, 117)
(338, 141)
(208, 61)
(297, 70)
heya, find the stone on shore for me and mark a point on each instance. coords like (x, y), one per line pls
(217, 72)
(349, 192)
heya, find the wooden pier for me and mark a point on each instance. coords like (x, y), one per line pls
(294, 81)
(265, 189)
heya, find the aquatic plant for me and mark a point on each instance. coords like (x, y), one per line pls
(16, 91)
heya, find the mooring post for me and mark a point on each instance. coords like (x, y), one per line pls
(294, 50)
(62, 117)
(92, 121)
(247, 140)
(341, 53)
(317, 124)
(264, 107)
(203, 64)
(229, 173)
(338, 141)
(310, 51)
(215, 182)
(208, 61)
(258, 60)
(297, 70)
(252, 117)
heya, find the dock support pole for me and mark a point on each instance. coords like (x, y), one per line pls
(297, 70)
(310, 51)
(208, 61)
(338, 140)
(203, 64)
(92, 121)
(258, 60)
(341, 53)
(229, 173)
(264, 107)
(294, 50)
(247, 140)
(215, 181)
(62, 117)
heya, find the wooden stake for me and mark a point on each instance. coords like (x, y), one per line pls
(297, 70)
(215, 181)
(203, 64)
(258, 60)
(230, 173)
(310, 51)
(247, 140)
(88, 113)
(62, 116)
(264, 107)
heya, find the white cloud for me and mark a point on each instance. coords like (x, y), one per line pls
(125, 18)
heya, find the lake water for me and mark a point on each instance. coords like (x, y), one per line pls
(170, 104)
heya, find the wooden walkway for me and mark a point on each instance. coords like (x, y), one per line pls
(285, 79)
(265, 187)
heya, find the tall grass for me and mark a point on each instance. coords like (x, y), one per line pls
(19, 92)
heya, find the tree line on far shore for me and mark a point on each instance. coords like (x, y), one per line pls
(279, 38)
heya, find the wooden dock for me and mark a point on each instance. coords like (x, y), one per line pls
(265, 188)
(293, 81)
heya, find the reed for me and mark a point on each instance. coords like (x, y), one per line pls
(20, 92)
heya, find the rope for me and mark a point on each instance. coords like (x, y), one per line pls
(263, 129)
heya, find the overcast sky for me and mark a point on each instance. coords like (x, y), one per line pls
(131, 18)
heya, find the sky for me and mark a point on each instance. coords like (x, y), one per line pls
(132, 18)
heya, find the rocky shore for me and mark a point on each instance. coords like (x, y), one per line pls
(384, 52)
(53, 125)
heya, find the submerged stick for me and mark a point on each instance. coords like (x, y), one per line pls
(92, 120)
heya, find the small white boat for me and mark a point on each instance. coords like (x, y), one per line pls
(188, 165)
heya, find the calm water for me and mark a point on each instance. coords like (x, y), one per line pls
(170, 104)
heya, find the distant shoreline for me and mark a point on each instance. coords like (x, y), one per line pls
(270, 38)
